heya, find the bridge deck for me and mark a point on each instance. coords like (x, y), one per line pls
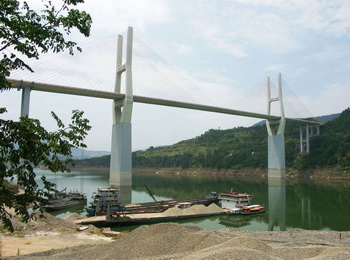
(147, 100)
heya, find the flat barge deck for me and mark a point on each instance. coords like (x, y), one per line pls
(172, 214)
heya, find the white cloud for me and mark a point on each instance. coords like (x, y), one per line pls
(320, 16)
(280, 26)
(333, 99)
(183, 49)
(274, 67)
(112, 16)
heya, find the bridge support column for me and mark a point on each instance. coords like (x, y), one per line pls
(25, 101)
(305, 143)
(276, 156)
(276, 144)
(121, 164)
(120, 169)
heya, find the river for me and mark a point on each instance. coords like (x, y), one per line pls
(306, 204)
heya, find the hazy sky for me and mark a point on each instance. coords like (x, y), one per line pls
(215, 52)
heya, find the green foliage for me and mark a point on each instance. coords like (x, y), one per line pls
(28, 32)
(247, 148)
(25, 145)
(332, 148)
(242, 147)
(216, 148)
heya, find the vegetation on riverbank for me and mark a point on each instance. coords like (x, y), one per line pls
(243, 151)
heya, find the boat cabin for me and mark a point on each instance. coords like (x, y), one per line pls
(103, 198)
(234, 201)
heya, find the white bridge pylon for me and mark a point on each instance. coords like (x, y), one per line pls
(121, 150)
(276, 143)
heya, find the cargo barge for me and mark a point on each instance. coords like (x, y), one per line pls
(109, 197)
(173, 210)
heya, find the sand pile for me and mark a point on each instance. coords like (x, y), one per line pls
(195, 209)
(175, 241)
(174, 211)
(73, 216)
(213, 208)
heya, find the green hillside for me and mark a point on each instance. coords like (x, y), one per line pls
(246, 147)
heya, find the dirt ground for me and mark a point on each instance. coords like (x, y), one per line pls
(42, 234)
(44, 241)
(169, 241)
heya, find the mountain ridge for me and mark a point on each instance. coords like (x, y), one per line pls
(246, 147)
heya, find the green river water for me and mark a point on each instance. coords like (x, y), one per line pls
(306, 204)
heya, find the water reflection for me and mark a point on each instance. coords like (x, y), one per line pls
(125, 194)
(291, 203)
(277, 204)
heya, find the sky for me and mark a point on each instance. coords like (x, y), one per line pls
(214, 52)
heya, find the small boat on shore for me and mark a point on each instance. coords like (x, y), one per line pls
(65, 200)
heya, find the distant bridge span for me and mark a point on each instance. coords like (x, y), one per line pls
(20, 84)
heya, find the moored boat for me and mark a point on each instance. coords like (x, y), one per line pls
(103, 198)
(65, 200)
(252, 209)
(238, 203)
(173, 210)
(109, 197)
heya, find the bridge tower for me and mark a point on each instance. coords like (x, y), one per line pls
(121, 166)
(276, 144)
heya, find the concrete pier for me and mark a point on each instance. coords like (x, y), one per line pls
(25, 101)
(276, 156)
(121, 166)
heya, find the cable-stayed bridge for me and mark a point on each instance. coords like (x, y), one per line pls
(121, 165)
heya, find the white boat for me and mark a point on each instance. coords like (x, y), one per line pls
(238, 203)
(104, 197)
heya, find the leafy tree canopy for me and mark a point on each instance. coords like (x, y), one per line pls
(28, 32)
(25, 144)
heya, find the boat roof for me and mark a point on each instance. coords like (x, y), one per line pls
(108, 189)
(234, 194)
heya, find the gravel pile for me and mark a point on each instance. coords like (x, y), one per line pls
(175, 241)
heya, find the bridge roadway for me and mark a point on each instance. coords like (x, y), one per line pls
(147, 100)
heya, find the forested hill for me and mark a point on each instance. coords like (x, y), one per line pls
(246, 147)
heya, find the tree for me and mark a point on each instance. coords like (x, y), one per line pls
(25, 144)
(25, 31)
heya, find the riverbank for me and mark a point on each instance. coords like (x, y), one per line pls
(329, 173)
(175, 241)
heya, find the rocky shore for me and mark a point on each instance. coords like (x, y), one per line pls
(171, 241)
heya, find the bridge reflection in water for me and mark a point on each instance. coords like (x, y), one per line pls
(277, 204)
